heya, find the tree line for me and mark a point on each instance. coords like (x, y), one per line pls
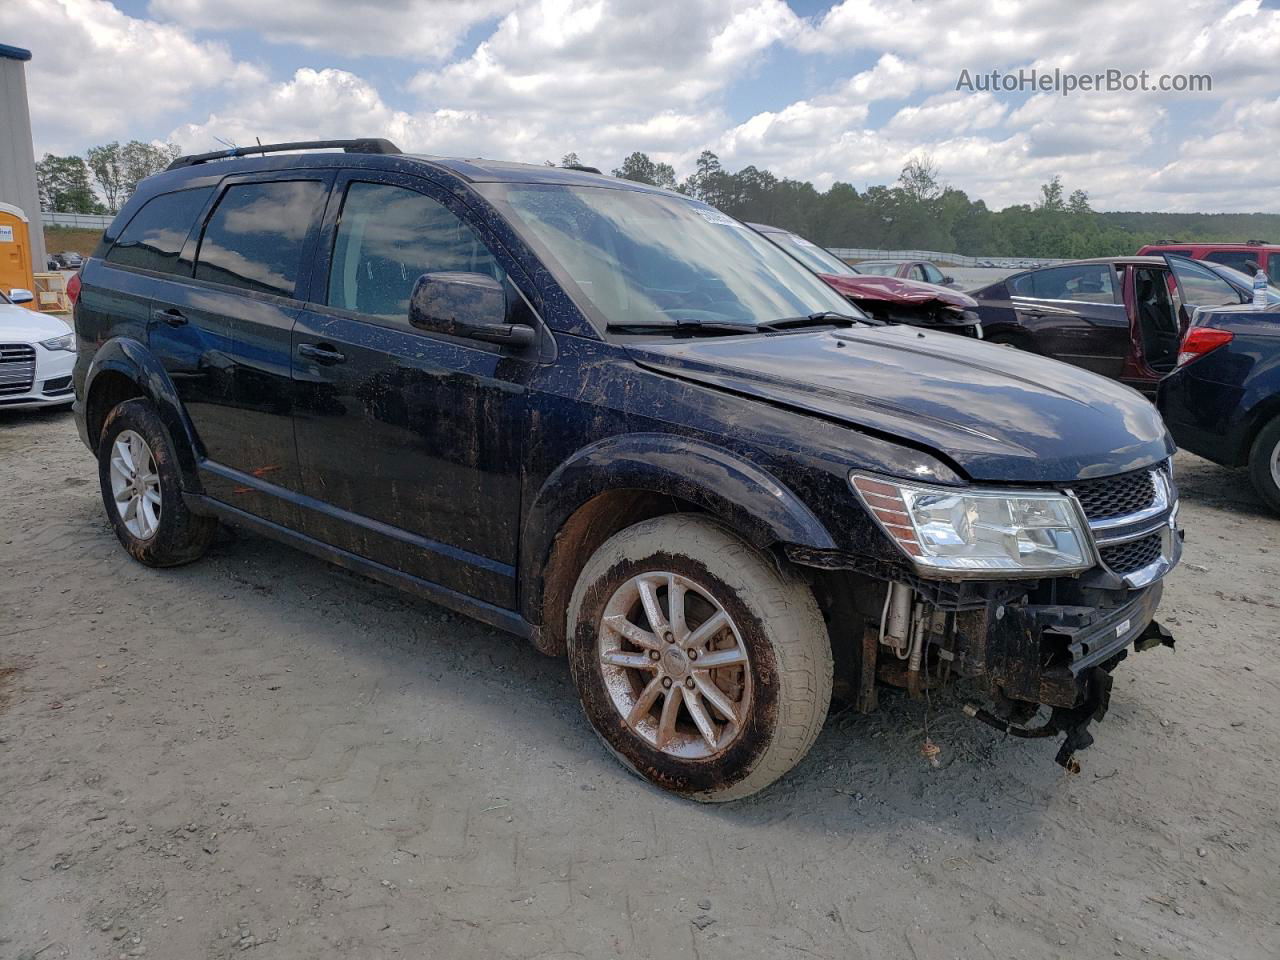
(103, 179)
(922, 212)
(918, 211)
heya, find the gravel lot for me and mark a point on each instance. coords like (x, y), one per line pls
(261, 753)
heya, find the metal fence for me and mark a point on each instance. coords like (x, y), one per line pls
(92, 221)
(956, 259)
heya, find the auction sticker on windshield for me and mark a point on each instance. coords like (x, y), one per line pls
(715, 216)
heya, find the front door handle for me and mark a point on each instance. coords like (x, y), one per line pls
(169, 315)
(321, 353)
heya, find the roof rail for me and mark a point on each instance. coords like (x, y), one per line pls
(364, 145)
(1258, 243)
(580, 167)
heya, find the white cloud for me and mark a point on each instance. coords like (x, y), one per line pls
(98, 74)
(606, 77)
(566, 57)
(948, 111)
(417, 29)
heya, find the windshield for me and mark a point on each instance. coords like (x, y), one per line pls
(1241, 280)
(811, 255)
(638, 258)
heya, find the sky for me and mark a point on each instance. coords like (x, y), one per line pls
(815, 91)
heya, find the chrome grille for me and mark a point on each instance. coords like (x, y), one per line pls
(1129, 557)
(1111, 497)
(17, 368)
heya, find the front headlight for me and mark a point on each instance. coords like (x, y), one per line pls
(963, 532)
(65, 342)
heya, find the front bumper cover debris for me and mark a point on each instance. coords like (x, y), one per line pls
(1074, 721)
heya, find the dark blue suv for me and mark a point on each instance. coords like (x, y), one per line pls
(615, 421)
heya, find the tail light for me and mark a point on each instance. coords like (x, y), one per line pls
(1201, 340)
(73, 288)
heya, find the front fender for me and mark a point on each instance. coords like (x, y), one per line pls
(130, 358)
(755, 504)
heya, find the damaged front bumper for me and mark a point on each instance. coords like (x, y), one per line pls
(1060, 657)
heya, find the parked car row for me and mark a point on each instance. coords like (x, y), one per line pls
(619, 423)
(67, 260)
(1142, 320)
(890, 298)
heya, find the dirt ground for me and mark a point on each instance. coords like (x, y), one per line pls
(261, 753)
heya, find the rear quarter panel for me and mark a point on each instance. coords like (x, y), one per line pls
(1216, 405)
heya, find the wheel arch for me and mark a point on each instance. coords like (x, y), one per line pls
(1262, 415)
(622, 480)
(124, 369)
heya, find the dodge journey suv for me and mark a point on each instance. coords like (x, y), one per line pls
(621, 424)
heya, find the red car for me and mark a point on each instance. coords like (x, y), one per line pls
(893, 299)
(908, 270)
(1248, 257)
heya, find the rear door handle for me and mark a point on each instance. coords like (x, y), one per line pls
(169, 315)
(321, 353)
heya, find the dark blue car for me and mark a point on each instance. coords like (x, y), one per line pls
(1223, 400)
(612, 420)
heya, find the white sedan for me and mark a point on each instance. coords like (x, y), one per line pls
(37, 352)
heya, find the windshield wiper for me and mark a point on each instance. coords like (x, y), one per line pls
(812, 319)
(709, 326)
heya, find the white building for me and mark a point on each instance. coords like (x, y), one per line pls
(17, 154)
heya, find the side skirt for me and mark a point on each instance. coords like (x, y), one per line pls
(507, 620)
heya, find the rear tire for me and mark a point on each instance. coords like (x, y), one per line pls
(735, 728)
(142, 489)
(1264, 464)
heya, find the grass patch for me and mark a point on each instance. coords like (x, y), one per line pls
(80, 239)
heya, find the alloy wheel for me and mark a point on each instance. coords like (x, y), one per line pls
(675, 665)
(135, 484)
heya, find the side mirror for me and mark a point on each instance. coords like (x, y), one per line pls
(471, 305)
(947, 279)
(21, 295)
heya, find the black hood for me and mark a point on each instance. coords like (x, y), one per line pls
(999, 414)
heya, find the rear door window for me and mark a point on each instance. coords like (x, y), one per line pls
(256, 235)
(154, 237)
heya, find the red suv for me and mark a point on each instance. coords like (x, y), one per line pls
(1245, 257)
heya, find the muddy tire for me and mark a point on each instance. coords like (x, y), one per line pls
(679, 609)
(1264, 464)
(142, 490)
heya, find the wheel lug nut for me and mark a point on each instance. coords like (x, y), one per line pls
(653, 654)
(669, 637)
(688, 682)
(693, 654)
(666, 682)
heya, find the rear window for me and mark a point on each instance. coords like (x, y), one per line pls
(1246, 261)
(154, 237)
(255, 237)
(1085, 282)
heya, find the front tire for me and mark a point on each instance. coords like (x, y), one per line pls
(142, 490)
(703, 667)
(1264, 464)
